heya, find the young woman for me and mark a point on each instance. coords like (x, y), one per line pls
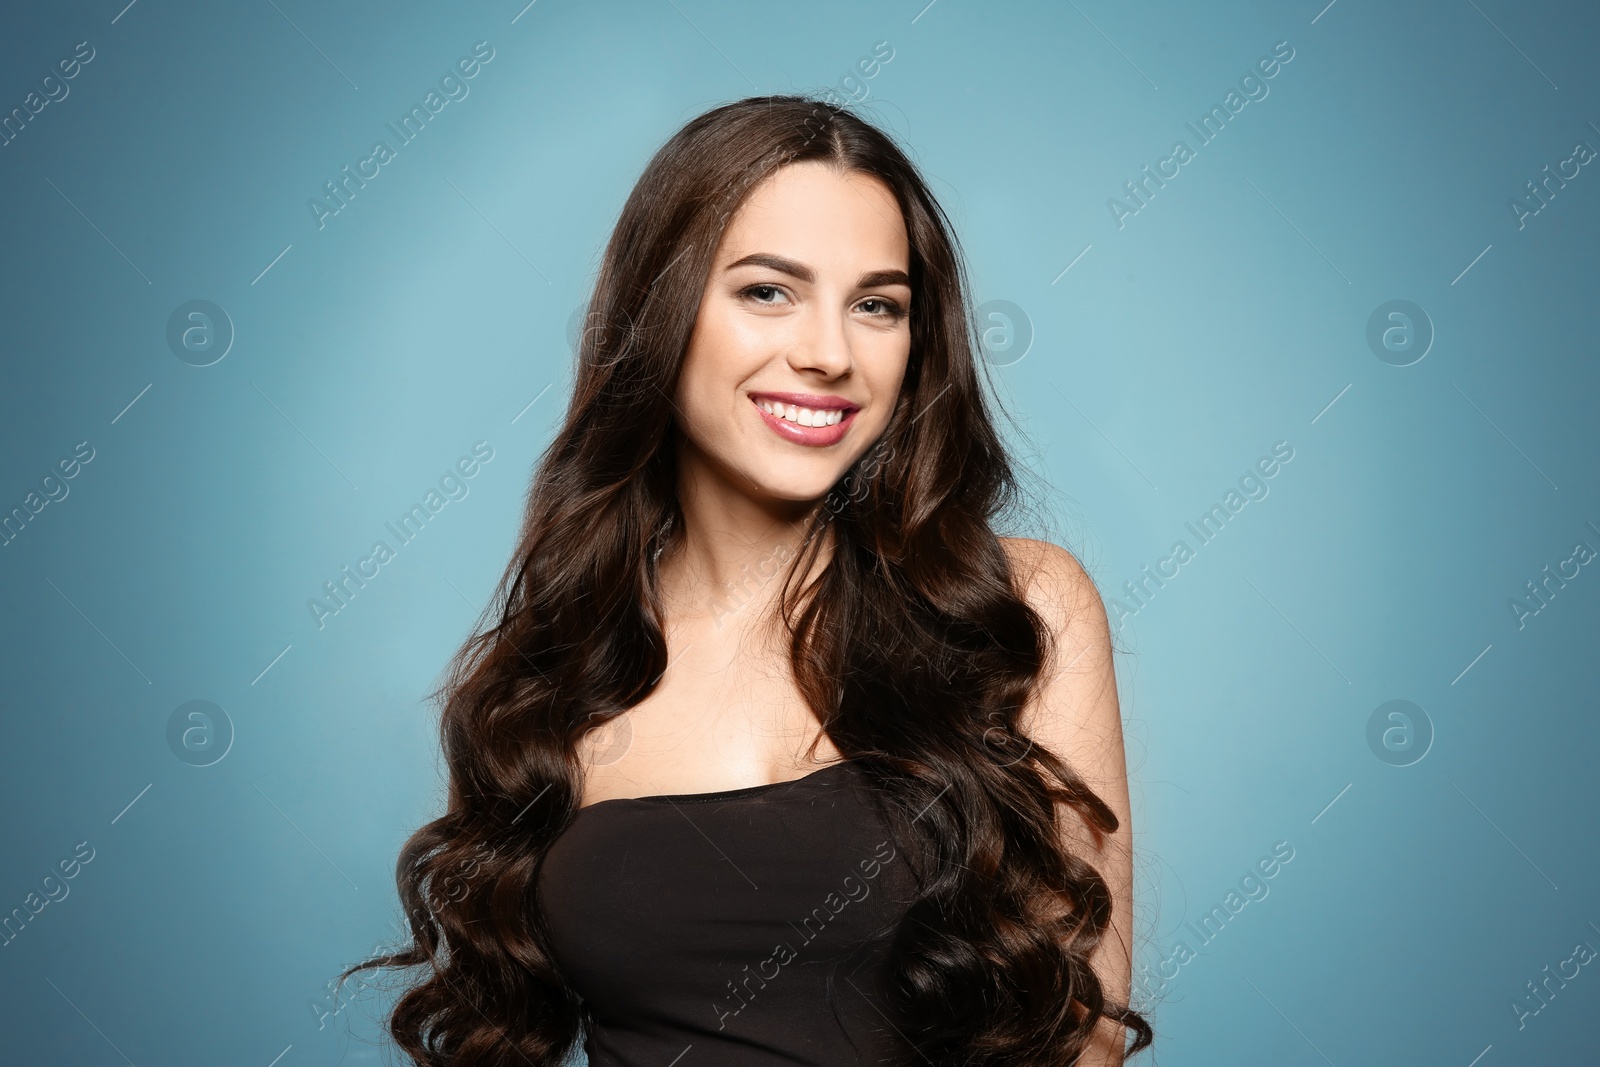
(772, 752)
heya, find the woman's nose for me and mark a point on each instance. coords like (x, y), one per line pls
(824, 344)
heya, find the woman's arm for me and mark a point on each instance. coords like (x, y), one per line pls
(1074, 713)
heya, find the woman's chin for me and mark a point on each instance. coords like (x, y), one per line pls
(792, 488)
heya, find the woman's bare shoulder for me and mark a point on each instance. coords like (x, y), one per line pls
(1074, 709)
(1053, 577)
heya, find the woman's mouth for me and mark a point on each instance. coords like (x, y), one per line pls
(818, 426)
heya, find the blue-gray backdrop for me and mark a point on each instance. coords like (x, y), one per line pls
(1337, 346)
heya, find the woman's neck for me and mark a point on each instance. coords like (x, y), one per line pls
(729, 555)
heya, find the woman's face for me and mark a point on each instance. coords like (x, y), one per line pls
(802, 337)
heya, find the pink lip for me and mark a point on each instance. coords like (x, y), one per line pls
(808, 400)
(815, 436)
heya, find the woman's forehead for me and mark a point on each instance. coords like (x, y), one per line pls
(815, 214)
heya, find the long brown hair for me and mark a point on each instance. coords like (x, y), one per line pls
(913, 646)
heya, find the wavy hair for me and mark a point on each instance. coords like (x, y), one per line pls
(913, 645)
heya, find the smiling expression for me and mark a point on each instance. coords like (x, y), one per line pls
(802, 337)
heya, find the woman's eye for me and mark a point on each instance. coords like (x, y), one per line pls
(875, 306)
(885, 308)
(762, 292)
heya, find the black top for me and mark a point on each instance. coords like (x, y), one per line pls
(745, 927)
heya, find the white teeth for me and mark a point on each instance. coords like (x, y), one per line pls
(802, 416)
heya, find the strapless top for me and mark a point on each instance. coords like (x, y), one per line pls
(744, 927)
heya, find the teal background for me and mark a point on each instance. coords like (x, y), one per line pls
(1228, 314)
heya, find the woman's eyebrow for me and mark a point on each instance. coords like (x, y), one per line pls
(788, 266)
